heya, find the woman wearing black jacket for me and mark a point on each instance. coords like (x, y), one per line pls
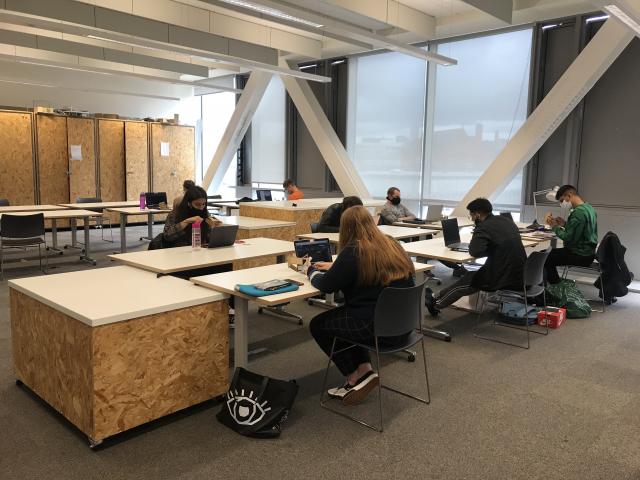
(368, 262)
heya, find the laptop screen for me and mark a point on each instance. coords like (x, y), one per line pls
(153, 199)
(264, 195)
(450, 231)
(319, 250)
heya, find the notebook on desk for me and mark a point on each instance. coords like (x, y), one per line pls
(451, 234)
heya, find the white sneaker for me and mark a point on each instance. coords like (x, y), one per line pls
(352, 394)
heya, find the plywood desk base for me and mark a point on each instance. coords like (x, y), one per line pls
(110, 378)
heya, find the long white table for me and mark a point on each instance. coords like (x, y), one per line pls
(226, 282)
(73, 215)
(463, 222)
(399, 233)
(171, 260)
(102, 205)
(155, 346)
(124, 212)
(28, 208)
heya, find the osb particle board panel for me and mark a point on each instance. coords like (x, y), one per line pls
(82, 181)
(51, 356)
(136, 147)
(279, 233)
(303, 218)
(152, 366)
(169, 172)
(53, 159)
(16, 158)
(111, 162)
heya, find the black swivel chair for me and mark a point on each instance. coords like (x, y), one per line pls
(314, 227)
(532, 286)
(22, 231)
(398, 311)
(4, 202)
(99, 221)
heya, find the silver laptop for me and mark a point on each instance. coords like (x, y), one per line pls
(434, 213)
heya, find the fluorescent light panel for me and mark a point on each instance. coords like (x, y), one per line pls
(597, 19)
(63, 68)
(271, 12)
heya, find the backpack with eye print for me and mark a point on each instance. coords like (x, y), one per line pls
(256, 405)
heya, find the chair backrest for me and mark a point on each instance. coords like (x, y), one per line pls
(534, 268)
(88, 200)
(22, 226)
(314, 227)
(4, 202)
(399, 310)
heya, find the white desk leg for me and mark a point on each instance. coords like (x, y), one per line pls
(54, 235)
(123, 233)
(241, 333)
(87, 240)
(74, 233)
(149, 228)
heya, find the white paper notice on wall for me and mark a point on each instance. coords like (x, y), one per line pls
(76, 152)
(164, 149)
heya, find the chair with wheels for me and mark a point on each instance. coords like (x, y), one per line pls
(532, 286)
(22, 232)
(98, 221)
(398, 311)
(4, 202)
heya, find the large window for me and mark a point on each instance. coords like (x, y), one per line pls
(386, 122)
(479, 105)
(217, 109)
(268, 135)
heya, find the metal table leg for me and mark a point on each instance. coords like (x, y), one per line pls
(149, 228)
(123, 233)
(87, 248)
(54, 236)
(241, 333)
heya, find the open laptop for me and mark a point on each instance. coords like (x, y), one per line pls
(154, 199)
(222, 236)
(264, 195)
(451, 234)
(319, 249)
(434, 213)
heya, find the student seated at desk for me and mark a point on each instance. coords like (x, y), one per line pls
(496, 238)
(368, 262)
(186, 185)
(292, 191)
(330, 219)
(579, 233)
(393, 211)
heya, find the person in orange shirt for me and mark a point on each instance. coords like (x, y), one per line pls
(292, 192)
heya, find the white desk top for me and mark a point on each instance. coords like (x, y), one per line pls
(29, 208)
(58, 214)
(178, 259)
(396, 232)
(462, 223)
(124, 203)
(311, 203)
(137, 211)
(108, 295)
(226, 282)
(251, 223)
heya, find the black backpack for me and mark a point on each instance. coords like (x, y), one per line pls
(256, 405)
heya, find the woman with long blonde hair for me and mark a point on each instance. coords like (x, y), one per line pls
(368, 262)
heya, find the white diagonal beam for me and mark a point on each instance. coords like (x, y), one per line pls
(237, 127)
(568, 91)
(324, 136)
(500, 9)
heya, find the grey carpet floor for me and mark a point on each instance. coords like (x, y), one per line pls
(568, 408)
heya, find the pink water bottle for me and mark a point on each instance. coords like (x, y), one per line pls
(143, 201)
(195, 236)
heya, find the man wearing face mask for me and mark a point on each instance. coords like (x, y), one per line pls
(497, 238)
(393, 211)
(579, 233)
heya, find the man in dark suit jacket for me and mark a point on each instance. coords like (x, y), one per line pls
(330, 219)
(496, 238)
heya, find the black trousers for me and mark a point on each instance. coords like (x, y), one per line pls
(456, 291)
(563, 256)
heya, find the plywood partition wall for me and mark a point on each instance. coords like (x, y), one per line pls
(82, 168)
(111, 162)
(172, 169)
(136, 146)
(16, 158)
(53, 159)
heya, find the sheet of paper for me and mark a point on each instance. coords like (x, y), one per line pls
(164, 149)
(76, 152)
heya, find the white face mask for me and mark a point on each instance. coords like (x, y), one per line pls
(565, 204)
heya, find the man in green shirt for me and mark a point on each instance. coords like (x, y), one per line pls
(579, 233)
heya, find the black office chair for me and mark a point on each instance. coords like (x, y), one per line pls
(98, 221)
(596, 268)
(314, 227)
(22, 231)
(398, 311)
(532, 286)
(4, 202)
